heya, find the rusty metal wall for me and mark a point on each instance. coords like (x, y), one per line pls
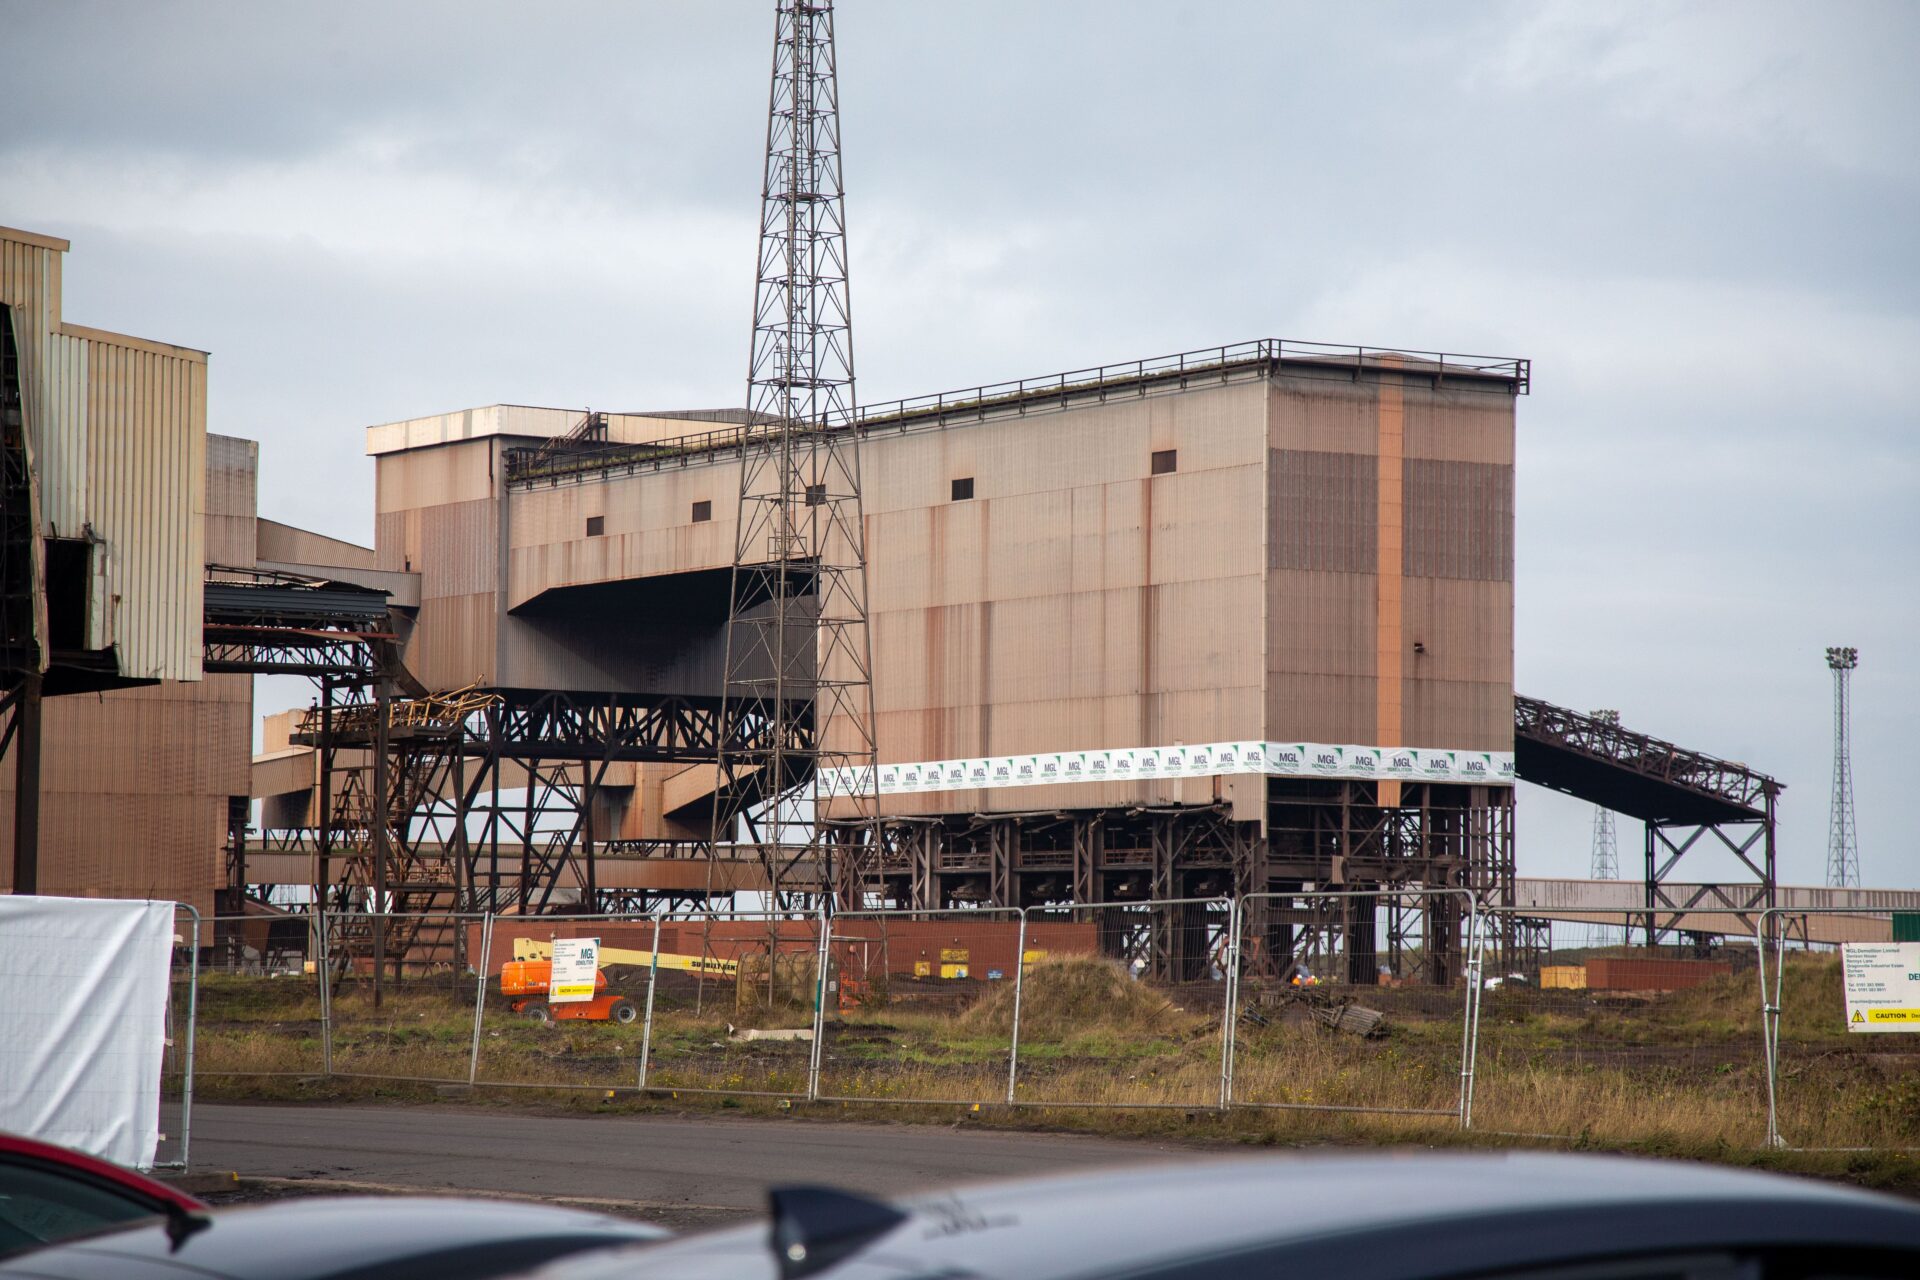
(1075, 601)
(1421, 649)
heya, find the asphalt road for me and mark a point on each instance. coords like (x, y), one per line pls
(681, 1171)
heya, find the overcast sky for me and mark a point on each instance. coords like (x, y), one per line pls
(1698, 221)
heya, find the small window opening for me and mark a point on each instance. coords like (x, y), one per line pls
(1165, 461)
(596, 525)
(702, 512)
(816, 494)
(963, 489)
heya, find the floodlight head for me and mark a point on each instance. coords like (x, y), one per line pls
(1843, 659)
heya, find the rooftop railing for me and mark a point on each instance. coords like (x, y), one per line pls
(558, 462)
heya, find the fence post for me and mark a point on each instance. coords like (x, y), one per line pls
(646, 1029)
(193, 1014)
(1228, 1027)
(323, 970)
(480, 997)
(1470, 1012)
(819, 1007)
(1019, 981)
(1770, 1021)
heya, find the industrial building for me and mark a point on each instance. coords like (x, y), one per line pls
(1262, 543)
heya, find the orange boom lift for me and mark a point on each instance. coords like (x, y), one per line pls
(527, 982)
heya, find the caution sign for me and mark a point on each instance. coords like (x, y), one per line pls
(576, 970)
(1883, 985)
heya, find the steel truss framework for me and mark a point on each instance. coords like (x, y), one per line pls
(1688, 800)
(798, 647)
(422, 797)
(1317, 835)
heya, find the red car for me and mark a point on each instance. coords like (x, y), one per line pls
(50, 1193)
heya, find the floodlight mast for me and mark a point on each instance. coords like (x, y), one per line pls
(797, 751)
(1843, 846)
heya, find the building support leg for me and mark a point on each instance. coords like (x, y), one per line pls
(26, 794)
(1003, 839)
(923, 843)
(1163, 928)
(382, 831)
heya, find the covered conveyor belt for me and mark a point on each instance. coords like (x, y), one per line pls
(1632, 773)
(263, 623)
(1687, 800)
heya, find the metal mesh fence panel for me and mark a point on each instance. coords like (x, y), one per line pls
(178, 1062)
(1587, 1030)
(720, 1002)
(920, 1005)
(1840, 1001)
(260, 997)
(410, 1016)
(526, 1038)
(1355, 1002)
(1123, 1004)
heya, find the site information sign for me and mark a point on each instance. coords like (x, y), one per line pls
(576, 966)
(1883, 985)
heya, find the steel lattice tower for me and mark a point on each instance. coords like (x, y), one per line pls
(1843, 849)
(797, 754)
(1605, 864)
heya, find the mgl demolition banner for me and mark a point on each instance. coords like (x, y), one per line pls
(1200, 760)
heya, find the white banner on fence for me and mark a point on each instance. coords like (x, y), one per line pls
(576, 970)
(1200, 760)
(83, 1022)
(1883, 985)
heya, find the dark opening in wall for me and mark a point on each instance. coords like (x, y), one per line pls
(69, 573)
(1165, 461)
(816, 494)
(596, 525)
(702, 512)
(963, 489)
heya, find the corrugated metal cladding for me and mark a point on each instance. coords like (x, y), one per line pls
(117, 433)
(146, 462)
(1077, 598)
(1323, 510)
(1459, 520)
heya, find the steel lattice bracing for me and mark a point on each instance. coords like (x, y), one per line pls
(1843, 848)
(1605, 863)
(1688, 800)
(797, 637)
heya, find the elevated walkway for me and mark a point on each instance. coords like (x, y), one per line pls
(1604, 902)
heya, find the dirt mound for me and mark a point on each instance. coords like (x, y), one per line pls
(1068, 995)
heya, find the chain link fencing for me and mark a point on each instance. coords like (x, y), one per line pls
(921, 1005)
(260, 996)
(699, 1002)
(1354, 1002)
(397, 997)
(1839, 1077)
(1123, 1004)
(1396, 1004)
(177, 1063)
(1587, 1032)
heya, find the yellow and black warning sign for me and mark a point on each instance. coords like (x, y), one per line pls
(1883, 985)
